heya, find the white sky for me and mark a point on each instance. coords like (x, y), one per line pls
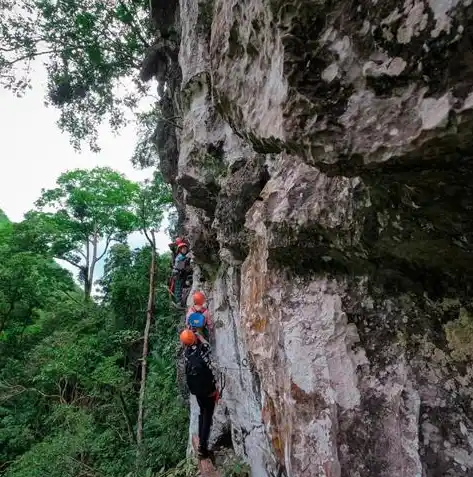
(34, 154)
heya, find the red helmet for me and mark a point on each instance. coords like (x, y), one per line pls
(198, 298)
(182, 244)
(178, 241)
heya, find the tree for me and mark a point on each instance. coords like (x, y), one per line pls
(25, 279)
(70, 372)
(154, 198)
(91, 49)
(89, 207)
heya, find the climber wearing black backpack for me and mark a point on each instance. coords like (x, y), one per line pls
(201, 383)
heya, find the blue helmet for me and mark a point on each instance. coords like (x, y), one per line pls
(196, 320)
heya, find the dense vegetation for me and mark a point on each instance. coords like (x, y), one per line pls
(71, 362)
(87, 375)
(92, 50)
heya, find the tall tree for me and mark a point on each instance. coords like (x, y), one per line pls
(154, 199)
(26, 279)
(91, 49)
(70, 373)
(90, 208)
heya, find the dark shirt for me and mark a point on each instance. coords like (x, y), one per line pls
(203, 349)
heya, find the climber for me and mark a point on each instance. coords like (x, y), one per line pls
(198, 317)
(174, 245)
(202, 384)
(182, 274)
(182, 253)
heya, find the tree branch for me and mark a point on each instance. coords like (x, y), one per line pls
(29, 56)
(71, 262)
(71, 297)
(128, 421)
(170, 122)
(107, 243)
(148, 237)
(91, 470)
(136, 27)
(21, 389)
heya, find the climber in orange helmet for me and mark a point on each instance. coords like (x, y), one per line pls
(188, 338)
(200, 377)
(198, 316)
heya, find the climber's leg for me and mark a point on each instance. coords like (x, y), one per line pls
(177, 290)
(184, 294)
(207, 406)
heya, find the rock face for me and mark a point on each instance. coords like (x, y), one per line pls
(322, 162)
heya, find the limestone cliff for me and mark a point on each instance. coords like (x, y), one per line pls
(319, 152)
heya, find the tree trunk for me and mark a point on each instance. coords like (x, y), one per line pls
(144, 358)
(89, 280)
(85, 271)
(87, 288)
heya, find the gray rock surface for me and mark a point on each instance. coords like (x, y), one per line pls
(322, 166)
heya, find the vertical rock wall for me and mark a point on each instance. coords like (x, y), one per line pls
(322, 162)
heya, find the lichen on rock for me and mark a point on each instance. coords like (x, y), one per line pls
(323, 166)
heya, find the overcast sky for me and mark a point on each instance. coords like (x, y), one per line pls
(35, 153)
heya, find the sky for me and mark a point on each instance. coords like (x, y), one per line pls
(35, 152)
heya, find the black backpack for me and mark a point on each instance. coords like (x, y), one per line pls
(200, 379)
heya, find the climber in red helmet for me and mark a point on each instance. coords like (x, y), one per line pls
(174, 247)
(198, 316)
(172, 280)
(181, 279)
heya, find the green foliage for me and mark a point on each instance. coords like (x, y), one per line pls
(91, 49)
(25, 281)
(459, 335)
(145, 153)
(125, 292)
(173, 222)
(88, 206)
(185, 468)
(154, 199)
(3, 219)
(69, 369)
(236, 467)
(88, 202)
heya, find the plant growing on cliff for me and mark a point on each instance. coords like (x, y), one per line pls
(90, 49)
(145, 153)
(88, 208)
(460, 335)
(236, 467)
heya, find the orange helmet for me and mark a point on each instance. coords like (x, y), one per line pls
(182, 244)
(187, 338)
(198, 298)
